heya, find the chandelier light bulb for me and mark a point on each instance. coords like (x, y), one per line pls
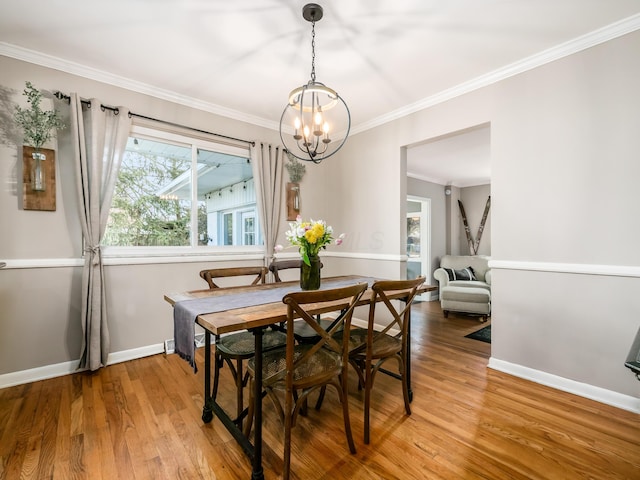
(296, 124)
(318, 124)
(305, 131)
(325, 129)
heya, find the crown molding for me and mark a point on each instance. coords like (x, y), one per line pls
(597, 37)
(49, 61)
(576, 45)
(438, 181)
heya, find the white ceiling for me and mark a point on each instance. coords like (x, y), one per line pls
(241, 58)
(462, 159)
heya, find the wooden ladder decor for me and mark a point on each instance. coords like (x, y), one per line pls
(473, 246)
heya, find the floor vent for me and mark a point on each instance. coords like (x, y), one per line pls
(170, 345)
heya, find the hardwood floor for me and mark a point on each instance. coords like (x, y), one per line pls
(141, 420)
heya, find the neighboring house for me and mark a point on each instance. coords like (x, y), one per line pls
(566, 263)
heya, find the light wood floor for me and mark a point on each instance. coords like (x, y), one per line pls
(141, 420)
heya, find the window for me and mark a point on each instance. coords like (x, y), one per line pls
(228, 229)
(155, 203)
(248, 228)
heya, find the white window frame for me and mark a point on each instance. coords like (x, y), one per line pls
(245, 214)
(115, 255)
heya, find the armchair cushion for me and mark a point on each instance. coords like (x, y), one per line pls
(464, 274)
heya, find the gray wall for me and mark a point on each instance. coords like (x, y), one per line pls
(564, 143)
(564, 149)
(40, 288)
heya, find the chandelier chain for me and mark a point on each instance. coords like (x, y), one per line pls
(313, 51)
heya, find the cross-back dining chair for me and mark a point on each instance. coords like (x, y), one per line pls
(259, 274)
(370, 349)
(303, 332)
(299, 369)
(237, 347)
(277, 266)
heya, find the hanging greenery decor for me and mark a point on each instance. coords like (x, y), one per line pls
(37, 125)
(295, 168)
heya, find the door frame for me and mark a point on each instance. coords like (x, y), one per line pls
(425, 233)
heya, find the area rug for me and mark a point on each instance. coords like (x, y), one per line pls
(484, 334)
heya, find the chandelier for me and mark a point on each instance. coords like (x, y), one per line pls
(316, 121)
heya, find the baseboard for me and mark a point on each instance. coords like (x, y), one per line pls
(67, 368)
(358, 322)
(608, 397)
(39, 373)
(135, 353)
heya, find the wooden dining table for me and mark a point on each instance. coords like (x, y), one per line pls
(249, 313)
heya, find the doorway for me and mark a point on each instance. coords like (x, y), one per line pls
(419, 240)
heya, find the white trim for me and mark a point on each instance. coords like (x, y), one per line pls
(131, 259)
(161, 255)
(425, 233)
(149, 256)
(177, 137)
(74, 68)
(39, 373)
(364, 323)
(135, 353)
(67, 368)
(575, 268)
(608, 397)
(576, 45)
(439, 181)
(172, 258)
(42, 263)
(367, 256)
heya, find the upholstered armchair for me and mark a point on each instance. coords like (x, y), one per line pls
(465, 284)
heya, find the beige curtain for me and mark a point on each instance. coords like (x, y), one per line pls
(268, 163)
(99, 138)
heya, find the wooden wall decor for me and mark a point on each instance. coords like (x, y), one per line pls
(473, 246)
(293, 200)
(39, 200)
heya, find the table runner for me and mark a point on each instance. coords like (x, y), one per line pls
(185, 312)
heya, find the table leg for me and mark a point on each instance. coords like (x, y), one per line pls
(211, 407)
(207, 413)
(257, 473)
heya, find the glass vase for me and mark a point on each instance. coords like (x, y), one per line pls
(37, 172)
(310, 274)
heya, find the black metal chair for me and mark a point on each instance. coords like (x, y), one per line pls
(237, 347)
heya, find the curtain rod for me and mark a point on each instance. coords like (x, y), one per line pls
(61, 96)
